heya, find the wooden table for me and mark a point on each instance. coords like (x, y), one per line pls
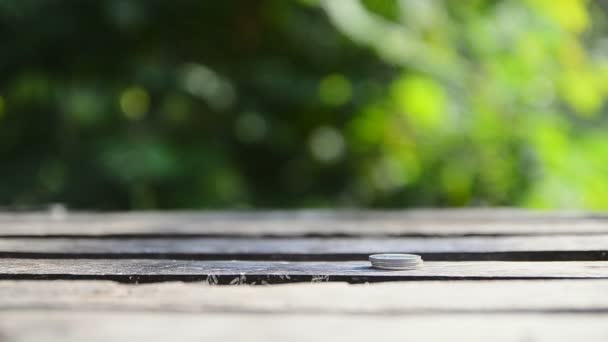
(500, 275)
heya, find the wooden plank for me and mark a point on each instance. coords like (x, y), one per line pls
(304, 223)
(424, 214)
(403, 298)
(235, 272)
(91, 326)
(562, 247)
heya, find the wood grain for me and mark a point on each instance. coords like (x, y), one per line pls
(93, 327)
(542, 301)
(304, 223)
(403, 298)
(241, 272)
(548, 248)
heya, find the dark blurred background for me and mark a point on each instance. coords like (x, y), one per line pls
(134, 104)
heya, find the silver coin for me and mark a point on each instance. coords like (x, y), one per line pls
(392, 257)
(393, 261)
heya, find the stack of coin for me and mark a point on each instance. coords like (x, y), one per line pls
(396, 261)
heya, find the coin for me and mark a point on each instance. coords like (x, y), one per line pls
(394, 261)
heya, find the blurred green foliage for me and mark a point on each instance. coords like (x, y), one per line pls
(121, 104)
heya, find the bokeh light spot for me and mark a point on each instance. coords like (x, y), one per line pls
(335, 90)
(580, 91)
(389, 174)
(228, 185)
(134, 103)
(206, 84)
(83, 107)
(570, 15)
(250, 127)
(421, 99)
(326, 144)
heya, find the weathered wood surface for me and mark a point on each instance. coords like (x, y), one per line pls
(29, 326)
(456, 301)
(404, 298)
(559, 247)
(305, 223)
(237, 272)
